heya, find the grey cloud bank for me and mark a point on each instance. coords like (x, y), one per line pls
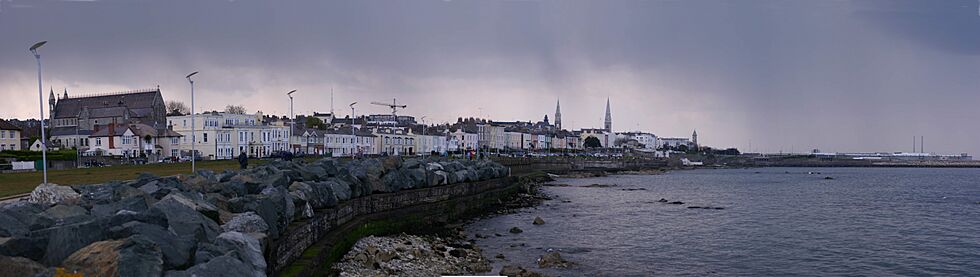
(783, 75)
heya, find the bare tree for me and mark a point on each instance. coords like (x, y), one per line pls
(232, 109)
(176, 108)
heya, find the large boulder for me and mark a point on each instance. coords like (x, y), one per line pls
(20, 266)
(274, 205)
(194, 201)
(62, 214)
(62, 240)
(50, 194)
(184, 220)
(317, 194)
(16, 219)
(246, 248)
(135, 256)
(391, 163)
(23, 246)
(225, 265)
(340, 191)
(176, 250)
(247, 222)
(135, 203)
(98, 193)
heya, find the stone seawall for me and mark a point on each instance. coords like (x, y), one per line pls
(329, 226)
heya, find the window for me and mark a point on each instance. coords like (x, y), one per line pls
(98, 141)
(205, 137)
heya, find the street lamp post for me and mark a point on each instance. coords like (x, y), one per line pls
(352, 127)
(40, 97)
(292, 118)
(193, 126)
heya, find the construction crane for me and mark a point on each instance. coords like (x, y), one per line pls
(394, 106)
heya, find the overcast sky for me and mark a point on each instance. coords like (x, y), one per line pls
(779, 75)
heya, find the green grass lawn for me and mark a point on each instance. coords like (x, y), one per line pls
(17, 183)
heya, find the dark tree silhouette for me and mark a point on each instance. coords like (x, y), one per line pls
(592, 142)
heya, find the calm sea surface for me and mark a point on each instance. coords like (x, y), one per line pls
(775, 222)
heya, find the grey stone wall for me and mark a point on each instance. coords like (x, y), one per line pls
(301, 235)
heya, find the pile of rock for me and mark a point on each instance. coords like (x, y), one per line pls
(408, 255)
(207, 224)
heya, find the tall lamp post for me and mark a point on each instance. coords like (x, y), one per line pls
(352, 128)
(292, 118)
(40, 97)
(193, 126)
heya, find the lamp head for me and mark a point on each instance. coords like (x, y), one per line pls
(37, 45)
(352, 105)
(290, 93)
(192, 74)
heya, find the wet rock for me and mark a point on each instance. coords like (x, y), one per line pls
(538, 221)
(516, 230)
(247, 222)
(20, 266)
(50, 194)
(134, 256)
(517, 271)
(662, 200)
(500, 256)
(553, 260)
(600, 185)
(828, 178)
(676, 203)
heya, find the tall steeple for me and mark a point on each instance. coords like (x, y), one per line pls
(51, 103)
(608, 117)
(558, 115)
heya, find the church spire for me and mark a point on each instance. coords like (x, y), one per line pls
(51, 103)
(608, 124)
(558, 115)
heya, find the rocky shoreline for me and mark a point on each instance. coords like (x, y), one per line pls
(451, 252)
(206, 224)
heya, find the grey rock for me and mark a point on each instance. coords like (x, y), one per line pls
(63, 240)
(135, 203)
(184, 220)
(50, 194)
(246, 248)
(65, 214)
(176, 250)
(140, 256)
(247, 222)
(20, 266)
(28, 247)
(225, 265)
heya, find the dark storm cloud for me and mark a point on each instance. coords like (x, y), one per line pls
(785, 75)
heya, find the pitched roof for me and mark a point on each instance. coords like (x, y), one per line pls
(139, 130)
(140, 104)
(4, 125)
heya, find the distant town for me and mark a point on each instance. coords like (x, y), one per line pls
(140, 126)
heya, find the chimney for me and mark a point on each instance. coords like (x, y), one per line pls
(112, 134)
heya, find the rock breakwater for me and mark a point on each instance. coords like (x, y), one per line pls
(206, 224)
